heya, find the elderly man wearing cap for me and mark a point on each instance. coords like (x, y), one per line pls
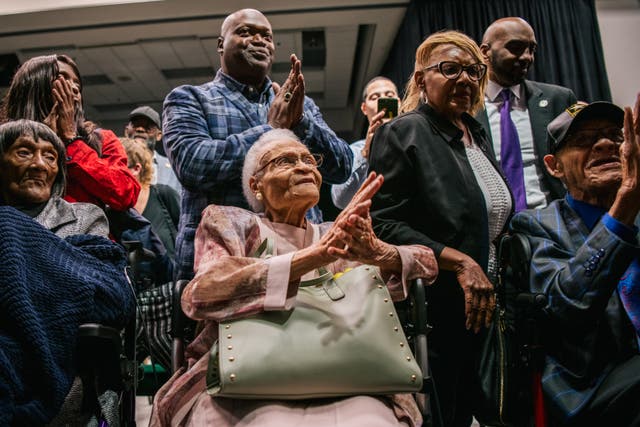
(144, 124)
(585, 260)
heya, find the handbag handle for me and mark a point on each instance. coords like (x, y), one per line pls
(325, 277)
(266, 247)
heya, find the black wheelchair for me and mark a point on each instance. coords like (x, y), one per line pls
(523, 320)
(107, 361)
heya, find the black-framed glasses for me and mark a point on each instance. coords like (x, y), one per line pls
(586, 138)
(452, 70)
(287, 161)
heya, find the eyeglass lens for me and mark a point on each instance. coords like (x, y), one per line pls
(292, 159)
(452, 70)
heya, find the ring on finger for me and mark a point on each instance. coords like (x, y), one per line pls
(287, 96)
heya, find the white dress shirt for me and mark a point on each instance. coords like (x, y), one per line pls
(536, 194)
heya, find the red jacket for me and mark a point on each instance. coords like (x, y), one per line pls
(99, 180)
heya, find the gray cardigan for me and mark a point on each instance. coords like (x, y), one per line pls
(66, 219)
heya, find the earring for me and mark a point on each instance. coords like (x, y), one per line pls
(423, 95)
(259, 195)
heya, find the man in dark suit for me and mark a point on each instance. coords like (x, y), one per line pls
(585, 259)
(509, 46)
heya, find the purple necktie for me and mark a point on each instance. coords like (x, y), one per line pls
(510, 154)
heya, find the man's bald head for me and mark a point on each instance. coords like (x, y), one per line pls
(503, 26)
(230, 20)
(509, 46)
(246, 47)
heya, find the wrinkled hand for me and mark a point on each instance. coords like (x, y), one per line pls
(629, 150)
(376, 122)
(288, 105)
(363, 246)
(65, 100)
(627, 203)
(334, 243)
(479, 296)
(355, 239)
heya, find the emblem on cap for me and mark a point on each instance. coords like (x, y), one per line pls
(543, 103)
(575, 108)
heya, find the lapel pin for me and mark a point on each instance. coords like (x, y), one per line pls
(543, 103)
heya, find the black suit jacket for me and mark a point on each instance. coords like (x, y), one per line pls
(430, 196)
(544, 103)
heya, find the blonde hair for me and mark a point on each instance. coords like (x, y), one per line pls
(455, 38)
(137, 152)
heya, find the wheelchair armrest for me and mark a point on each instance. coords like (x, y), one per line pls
(182, 327)
(515, 258)
(419, 298)
(137, 252)
(95, 332)
(98, 354)
(420, 329)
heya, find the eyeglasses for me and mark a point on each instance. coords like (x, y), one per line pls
(452, 70)
(586, 138)
(287, 161)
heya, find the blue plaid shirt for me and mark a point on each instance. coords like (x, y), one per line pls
(208, 130)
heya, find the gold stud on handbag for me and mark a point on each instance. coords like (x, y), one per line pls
(343, 337)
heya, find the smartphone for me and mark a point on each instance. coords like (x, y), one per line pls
(391, 105)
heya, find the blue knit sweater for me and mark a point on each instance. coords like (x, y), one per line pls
(48, 287)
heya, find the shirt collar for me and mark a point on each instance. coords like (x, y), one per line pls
(248, 91)
(448, 130)
(492, 93)
(590, 214)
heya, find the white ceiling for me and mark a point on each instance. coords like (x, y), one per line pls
(134, 54)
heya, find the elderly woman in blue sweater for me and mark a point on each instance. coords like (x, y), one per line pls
(59, 271)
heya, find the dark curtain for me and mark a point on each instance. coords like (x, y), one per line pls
(569, 46)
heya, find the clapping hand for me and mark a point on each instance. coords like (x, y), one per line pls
(288, 106)
(627, 202)
(630, 150)
(356, 240)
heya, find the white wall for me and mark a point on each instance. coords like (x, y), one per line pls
(620, 32)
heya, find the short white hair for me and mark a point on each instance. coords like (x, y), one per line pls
(252, 159)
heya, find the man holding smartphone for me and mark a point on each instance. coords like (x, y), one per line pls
(380, 104)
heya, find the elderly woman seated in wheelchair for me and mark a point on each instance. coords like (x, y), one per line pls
(58, 271)
(281, 182)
